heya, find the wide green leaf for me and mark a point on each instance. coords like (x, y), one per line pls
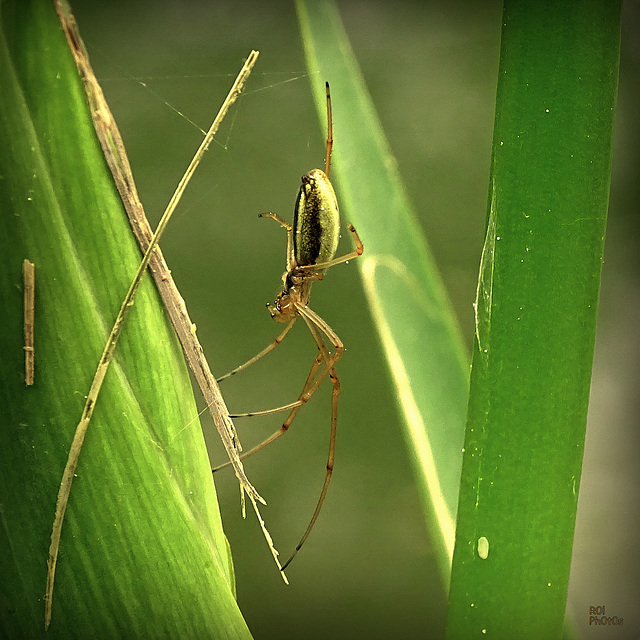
(143, 553)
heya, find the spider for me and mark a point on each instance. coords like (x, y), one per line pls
(312, 241)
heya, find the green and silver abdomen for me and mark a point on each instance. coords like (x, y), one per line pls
(316, 220)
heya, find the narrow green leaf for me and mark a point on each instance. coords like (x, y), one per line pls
(417, 327)
(143, 553)
(536, 313)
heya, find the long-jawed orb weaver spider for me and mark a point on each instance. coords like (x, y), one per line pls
(311, 245)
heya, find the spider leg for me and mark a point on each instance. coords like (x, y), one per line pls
(302, 398)
(264, 352)
(332, 448)
(314, 322)
(291, 263)
(327, 161)
(286, 407)
(358, 251)
(317, 326)
(294, 406)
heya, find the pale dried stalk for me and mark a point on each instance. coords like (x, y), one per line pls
(114, 152)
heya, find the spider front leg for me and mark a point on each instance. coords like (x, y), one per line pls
(257, 357)
(289, 228)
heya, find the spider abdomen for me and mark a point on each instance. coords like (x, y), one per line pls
(316, 220)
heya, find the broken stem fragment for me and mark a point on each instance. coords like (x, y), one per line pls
(29, 274)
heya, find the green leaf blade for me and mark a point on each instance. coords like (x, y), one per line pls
(536, 311)
(143, 553)
(415, 322)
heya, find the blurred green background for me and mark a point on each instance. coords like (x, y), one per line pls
(367, 569)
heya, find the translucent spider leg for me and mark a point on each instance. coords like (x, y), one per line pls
(293, 407)
(317, 326)
(257, 357)
(327, 161)
(289, 229)
(312, 320)
(248, 363)
(311, 384)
